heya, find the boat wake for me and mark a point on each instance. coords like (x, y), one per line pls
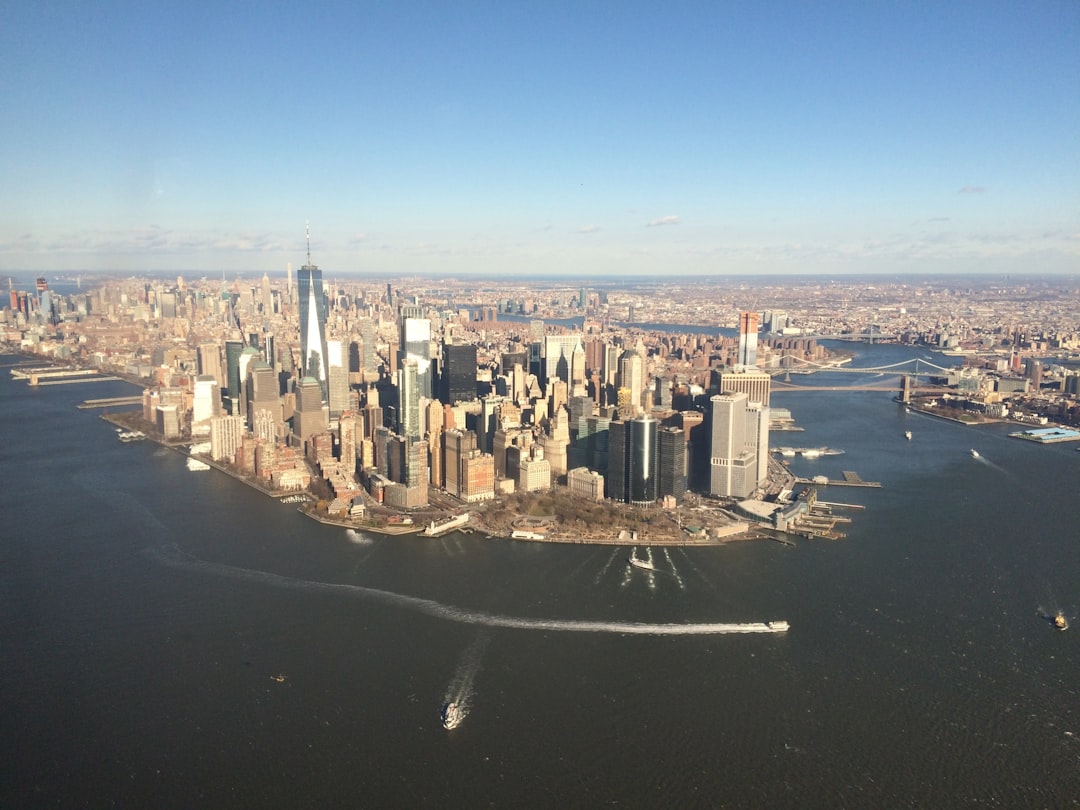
(175, 558)
(359, 539)
(457, 702)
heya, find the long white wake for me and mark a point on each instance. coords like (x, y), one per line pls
(175, 558)
(460, 689)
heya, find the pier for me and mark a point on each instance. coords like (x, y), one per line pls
(111, 401)
(850, 479)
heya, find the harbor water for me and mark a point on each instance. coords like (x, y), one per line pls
(172, 638)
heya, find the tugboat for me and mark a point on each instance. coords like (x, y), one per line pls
(452, 715)
(1059, 621)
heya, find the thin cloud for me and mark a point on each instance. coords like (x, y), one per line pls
(670, 219)
(588, 229)
(972, 190)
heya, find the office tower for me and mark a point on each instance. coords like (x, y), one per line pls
(408, 399)
(558, 356)
(662, 393)
(510, 359)
(233, 350)
(338, 380)
(597, 447)
(748, 334)
(368, 361)
(534, 471)
(204, 405)
(577, 371)
(733, 466)
(671, 446)
(644, 460)
(310, 416)
(457, 445)
(312, 305)
(263, 399)
(757, 439)
(248, 357)
(618, 469)
(477, 477)
(209, 361)
(269, 351)
(632, 377)
(458, 374)
(415, 345)
(755, 384)
(489, 407)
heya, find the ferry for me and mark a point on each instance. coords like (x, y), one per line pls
(1060, 622)
(452, 715)
(645, 565)
(975, 453)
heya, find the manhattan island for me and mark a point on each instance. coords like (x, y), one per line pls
(558, 411)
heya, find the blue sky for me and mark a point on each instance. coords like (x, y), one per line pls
(504, 138)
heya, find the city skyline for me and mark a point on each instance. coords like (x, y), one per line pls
(685, 140)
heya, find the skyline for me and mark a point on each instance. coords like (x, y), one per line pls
(632, 140)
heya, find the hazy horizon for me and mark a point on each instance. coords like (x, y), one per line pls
(635, 140)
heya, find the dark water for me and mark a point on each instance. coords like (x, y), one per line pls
(144, 609)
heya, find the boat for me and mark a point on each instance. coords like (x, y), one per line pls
(278, 678)
(1059, 621)
(451, 715)
(778, 626)
(975, 453)
(645, 565)
(907, 435)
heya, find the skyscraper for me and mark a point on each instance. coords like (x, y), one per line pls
(755, 384)
(644, 460)
(312, 301)
(415, 344)
(748, 331)
(408, 400)
(671, 446)
(458, 373)
(733, 464)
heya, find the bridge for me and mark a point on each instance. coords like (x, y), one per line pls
(898, 377)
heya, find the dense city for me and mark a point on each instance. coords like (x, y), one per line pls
(550, 410)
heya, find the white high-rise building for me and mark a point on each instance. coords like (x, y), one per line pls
(733, 465)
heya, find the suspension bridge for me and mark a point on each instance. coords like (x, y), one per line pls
(902, 377)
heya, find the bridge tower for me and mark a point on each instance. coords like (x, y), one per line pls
(905, 389)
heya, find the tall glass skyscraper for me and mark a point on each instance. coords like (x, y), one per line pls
(312, 302)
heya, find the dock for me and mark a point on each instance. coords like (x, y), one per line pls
(111, 401)
(850, 479)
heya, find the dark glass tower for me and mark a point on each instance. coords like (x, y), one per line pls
(671, 443)
(644, 460)
(618, 472)
(458, 382)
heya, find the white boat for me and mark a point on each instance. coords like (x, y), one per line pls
(975, 453)
(907, 435)
(642, 564)
(778, 627)
(452, 715)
